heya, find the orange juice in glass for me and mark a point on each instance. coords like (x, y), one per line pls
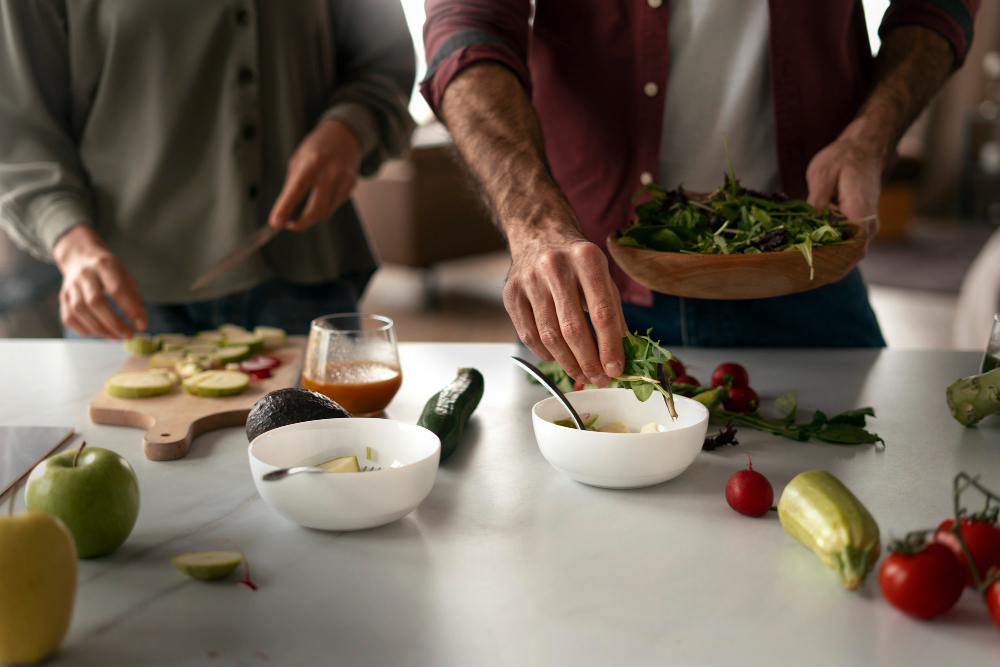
(352, 358)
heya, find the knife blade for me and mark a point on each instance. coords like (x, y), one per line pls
(252, 244)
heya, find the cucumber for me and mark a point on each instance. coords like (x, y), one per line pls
(232, 353)
(252, 340)
(447, 411)
(138, 384)
(341, 464)
(142, 343)
(166, 359)
(217, 383)
(273, 337)
(208, 565)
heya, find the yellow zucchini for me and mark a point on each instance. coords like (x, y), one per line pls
(821, 513)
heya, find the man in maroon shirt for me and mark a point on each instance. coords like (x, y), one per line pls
(560, 118)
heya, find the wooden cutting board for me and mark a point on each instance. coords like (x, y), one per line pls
(173, 420)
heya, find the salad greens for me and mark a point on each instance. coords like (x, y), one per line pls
(731, 220)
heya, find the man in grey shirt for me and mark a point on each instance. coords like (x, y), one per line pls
(141, 141)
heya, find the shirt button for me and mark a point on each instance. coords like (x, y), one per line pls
(249, 132)
(246, 76)
(645, 178)
(651, 89)
(252, 191)
(655, 4)
(243, 17)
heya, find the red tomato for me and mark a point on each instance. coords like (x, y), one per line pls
(741, 399)
(993, 602)
(924, 584)
(577, 385)
(738, 373)
(983, 540)
(676, 368)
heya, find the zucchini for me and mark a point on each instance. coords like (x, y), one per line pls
(821, 513)
(447, 411)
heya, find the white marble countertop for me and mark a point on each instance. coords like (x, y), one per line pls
(507, 562)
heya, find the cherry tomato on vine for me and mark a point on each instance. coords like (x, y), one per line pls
(740, 378)
(741, 399)
(925, 583)
(983, 540)
(993, 602)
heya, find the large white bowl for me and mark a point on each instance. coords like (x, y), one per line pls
(621, 460)
(346, 501)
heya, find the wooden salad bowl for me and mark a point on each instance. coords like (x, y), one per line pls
(756, 276)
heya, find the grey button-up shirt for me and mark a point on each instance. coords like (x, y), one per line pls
(168, 125)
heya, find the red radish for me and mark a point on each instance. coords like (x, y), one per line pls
(577, 385)
(741, 399)
(748, 492)
(739, 376)
(259, 373)
(275, 361)
(676, 368)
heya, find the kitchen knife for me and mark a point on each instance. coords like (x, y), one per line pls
(252, 244)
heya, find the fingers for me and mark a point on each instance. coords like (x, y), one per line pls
(605, 308)
(297, 184)
(523, 318)
(119, 284)
(821, 177)
(97, 308)
(550, 332)
(78, 301)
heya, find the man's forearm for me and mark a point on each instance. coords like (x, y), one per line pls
(912, 65)
(496, 131)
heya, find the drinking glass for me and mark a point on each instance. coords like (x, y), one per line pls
(352, 358)
(991, 359)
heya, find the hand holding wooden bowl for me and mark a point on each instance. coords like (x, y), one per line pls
(739, 276)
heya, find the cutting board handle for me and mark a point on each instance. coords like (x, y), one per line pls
(170, 438)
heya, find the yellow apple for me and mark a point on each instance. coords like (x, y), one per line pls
(37, 585)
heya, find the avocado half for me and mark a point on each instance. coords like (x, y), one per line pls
(292, 405)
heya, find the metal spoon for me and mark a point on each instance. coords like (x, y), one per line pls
(553, 389)
(275, 475)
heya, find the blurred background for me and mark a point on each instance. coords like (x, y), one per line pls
(934, 270)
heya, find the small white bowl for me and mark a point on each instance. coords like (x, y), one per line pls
(346, 501)
(621, 460)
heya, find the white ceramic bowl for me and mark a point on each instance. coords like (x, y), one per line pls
(621, 460)
(346, 501)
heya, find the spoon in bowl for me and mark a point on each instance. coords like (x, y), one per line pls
(553, 389)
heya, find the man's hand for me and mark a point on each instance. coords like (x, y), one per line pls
(556, 273)
(90, 271)
(553, 279)
(325, 166)
(847, 175)
(911, 66)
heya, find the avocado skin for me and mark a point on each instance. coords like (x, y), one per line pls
(291, 405)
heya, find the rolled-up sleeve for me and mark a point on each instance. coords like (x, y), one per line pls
(953, 19)
(43, 187)
(375, 71)
(458, 33)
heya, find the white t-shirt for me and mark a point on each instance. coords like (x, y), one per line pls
(719, 81)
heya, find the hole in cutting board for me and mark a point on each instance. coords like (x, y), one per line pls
(164, 435)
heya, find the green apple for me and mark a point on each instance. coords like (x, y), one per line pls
(37, 585)
(94, 491)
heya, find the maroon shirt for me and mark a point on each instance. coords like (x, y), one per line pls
(585, 64)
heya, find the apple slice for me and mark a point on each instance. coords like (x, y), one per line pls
(212, 336)
(273, 336)
(341, 464)
(138, 384)
(217, 383)
(208, 565)
(253, 340)
(166, 359)
(142, 343)
(231, 354)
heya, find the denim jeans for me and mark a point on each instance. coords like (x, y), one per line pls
(275, 303)
(835, 315)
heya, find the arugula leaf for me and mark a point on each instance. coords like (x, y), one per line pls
(788, 404)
